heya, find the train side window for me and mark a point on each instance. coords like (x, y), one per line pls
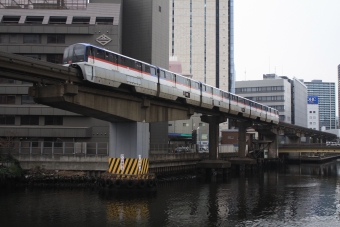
(226, 95)
(138, 66)
(110, 57)
(152, 71)
(100, 54)
(168, 76)
(196, 85)
(146, 68)
(106, 55)
(161, 73)
(246, 102)
(188, 82)
(121, 60)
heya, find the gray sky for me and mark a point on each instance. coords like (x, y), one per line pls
(294, 38)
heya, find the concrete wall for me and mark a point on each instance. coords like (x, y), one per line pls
(299, 103)
(145, 29)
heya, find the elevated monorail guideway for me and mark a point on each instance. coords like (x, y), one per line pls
(128, 93)
(32, 70)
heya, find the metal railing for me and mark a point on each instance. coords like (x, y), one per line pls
(57, 148)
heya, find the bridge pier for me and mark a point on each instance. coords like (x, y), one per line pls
(129, 148)
(213, 165)
(242, 160)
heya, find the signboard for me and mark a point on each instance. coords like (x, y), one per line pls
(312, 100)
(122, 162)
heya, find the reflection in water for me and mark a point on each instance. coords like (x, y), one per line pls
(297, 195)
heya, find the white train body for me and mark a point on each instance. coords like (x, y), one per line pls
(108, 68)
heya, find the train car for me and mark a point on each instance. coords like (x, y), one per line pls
(239, 105)
(256, 110)
(217, 97)
(225, 102)
(273, 115)
(206, 96)
(111, 69)
(108, 68)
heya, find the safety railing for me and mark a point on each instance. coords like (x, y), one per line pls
(56, 148)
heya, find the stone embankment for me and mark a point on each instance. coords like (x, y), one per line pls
(55, 178)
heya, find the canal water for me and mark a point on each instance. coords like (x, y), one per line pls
(294, 195)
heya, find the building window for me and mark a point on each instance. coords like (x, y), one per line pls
(10, 19)
(313, 111)
(57, 39)
(7, 99)
(8, 38)
(54, 58)
(57, 20)
(53, 120)
(32, 38)
(159, 9)
(7, 120)
(6, 81)
(57, 142)
(201, 124)
(81, 20)
(104, 20)
(230, 137)
(30, 120)
(34, 20)
(169, 124)
(185, 124)
(26, 99)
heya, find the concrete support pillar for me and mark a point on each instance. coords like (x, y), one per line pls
(130, 139)
(213, 122)
(273, 146)
(129, 148)
(242, 140)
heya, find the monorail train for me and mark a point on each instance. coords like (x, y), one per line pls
(105, 67)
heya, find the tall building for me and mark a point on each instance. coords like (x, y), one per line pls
(326, 97)
(299, 97)
(201, 37)
(286, 95)
(43, 28)
(313, 113)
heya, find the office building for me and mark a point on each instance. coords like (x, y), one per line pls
(43, 28)
(313, 112)
(286, 95)
(326, 98)
(201, 37)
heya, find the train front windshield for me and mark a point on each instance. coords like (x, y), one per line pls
(74, 53)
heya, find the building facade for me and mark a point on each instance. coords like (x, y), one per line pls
(299, 107)
(326, 98)
(272, 91)
(201, 37)
(42, 29)
(313, 113)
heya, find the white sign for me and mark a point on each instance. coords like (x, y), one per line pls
(140, 162)
(122, 162)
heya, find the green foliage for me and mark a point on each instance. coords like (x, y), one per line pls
(10, 167)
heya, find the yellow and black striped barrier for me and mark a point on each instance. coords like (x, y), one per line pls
(129, 166)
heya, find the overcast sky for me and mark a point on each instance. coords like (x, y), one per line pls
(294, 38)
